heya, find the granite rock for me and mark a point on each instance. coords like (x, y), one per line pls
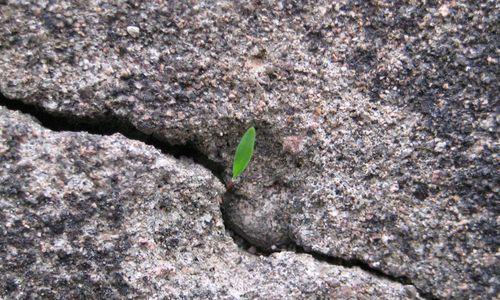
(376, 121)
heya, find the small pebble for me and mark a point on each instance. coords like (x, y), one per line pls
(134, 31)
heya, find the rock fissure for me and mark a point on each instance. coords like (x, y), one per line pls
(108, 125)
(350, 263)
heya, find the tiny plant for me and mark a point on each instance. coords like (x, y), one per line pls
(243, 153)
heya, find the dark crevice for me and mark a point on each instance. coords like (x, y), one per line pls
(110, 124)
(350, 263)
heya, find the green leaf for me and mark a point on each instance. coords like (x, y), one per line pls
(244, 152)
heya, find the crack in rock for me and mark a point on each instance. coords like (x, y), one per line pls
(110, 125)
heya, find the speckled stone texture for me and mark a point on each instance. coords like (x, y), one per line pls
(377, 134)
(90, 217)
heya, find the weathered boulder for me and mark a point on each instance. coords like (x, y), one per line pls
(105, 217)
(376, 125)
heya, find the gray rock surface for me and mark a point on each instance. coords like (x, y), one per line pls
(104, 217)
(377, 135)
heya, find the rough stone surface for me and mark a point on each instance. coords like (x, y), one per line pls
(377, 134)
(90, 217)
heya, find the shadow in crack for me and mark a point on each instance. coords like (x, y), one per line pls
(108, 125)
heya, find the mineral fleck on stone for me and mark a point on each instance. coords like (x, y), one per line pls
(134, 31)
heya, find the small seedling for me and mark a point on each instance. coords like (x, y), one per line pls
(243, 154)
